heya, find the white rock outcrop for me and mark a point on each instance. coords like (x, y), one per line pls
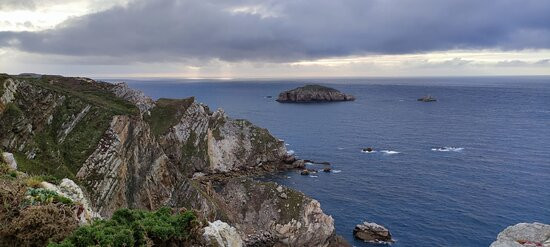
(219, 233)
(10, 160)
(68, 188)
(138, 98)
(523, 235)
(10, 87)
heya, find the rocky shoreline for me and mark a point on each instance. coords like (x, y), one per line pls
(127, 151)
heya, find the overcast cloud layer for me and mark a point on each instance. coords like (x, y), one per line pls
(290, 30)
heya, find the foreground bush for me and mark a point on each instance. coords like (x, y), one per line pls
(136, 228)
(24, 224)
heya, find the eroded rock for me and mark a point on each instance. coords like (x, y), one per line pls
(372, 232)
(524, 235)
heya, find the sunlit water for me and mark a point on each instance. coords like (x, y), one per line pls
(464, 167)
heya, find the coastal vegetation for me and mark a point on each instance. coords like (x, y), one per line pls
(166, 113)
(130, 227)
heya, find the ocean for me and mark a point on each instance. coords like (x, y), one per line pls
(454, 172)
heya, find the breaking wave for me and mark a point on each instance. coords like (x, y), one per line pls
(447, 149)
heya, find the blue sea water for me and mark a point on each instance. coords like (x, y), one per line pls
(497, 175)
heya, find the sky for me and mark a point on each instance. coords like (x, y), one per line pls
(275, 38)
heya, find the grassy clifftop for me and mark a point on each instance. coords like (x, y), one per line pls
(54, 123)
(166, 113)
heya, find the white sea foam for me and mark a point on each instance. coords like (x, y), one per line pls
(290, 152)
(313, 176)
(340, 148)
(367, 152)
(308, 163)
(286, 144)
(336, 171)
(389, 152)
(447, 149)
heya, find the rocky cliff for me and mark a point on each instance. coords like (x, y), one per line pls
(126, 150)
(313, 93)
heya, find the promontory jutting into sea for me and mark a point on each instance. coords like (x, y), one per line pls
(274, 123)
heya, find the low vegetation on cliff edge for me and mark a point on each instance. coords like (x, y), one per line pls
(137, 228)
(33, 216)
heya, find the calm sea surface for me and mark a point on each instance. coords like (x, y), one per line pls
(494, 172)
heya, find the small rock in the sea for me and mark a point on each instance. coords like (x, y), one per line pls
(372, 232)
(327, 169)
(304, 172)
(369, 149)
(324, 163)
(427, 99)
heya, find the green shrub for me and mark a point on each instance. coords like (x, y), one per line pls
(40, 196)
(130, 227)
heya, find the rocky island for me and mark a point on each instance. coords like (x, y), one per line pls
(85, 149)
(313, 94)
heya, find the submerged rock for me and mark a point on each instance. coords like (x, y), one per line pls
(372, 232)
(313, 93)
(524, 234)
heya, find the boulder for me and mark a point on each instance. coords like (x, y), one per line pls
(10, 160)
(327, 169)
(524, 234)
(219, 233)
(372, 232)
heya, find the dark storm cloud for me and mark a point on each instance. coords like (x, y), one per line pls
(287, 30)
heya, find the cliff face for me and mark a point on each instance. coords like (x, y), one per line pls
(126, 150)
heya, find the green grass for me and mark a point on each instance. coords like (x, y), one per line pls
(312, 87)
(94, 93)
(166, 114)
(135, 228)
(64, 158)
